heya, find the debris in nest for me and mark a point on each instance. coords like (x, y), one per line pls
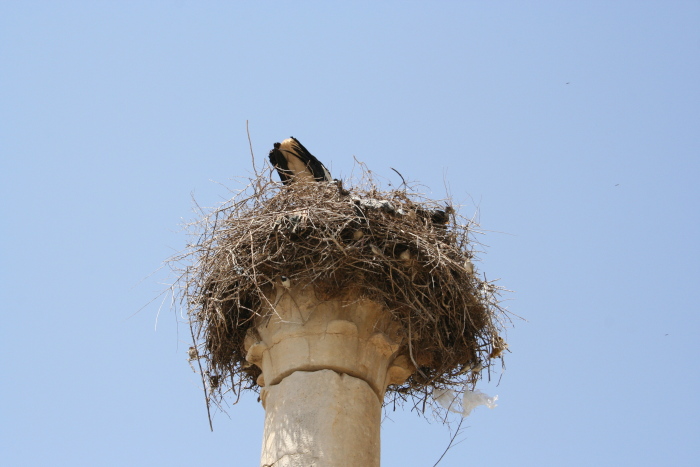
(192, 356)
(471, 399)
(286, 283)
(447, 399)
(499, 346)
(214, 381)
(475, 398)
(406, 257)
(378, 204)
(468, 266)
(410, 254)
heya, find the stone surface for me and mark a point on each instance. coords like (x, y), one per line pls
(304, 333)
(321, 419)
(325, 368)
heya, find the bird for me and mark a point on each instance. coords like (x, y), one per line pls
(442, 217)
(294, 162)
(437, 216)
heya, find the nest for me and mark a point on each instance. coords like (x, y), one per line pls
(412, 255)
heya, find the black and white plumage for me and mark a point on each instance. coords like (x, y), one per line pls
(437, 216)
(440, 217)
(294, 162)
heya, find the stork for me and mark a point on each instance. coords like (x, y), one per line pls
(437, 216)
(295, 163)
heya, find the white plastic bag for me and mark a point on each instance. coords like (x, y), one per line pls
(475, 398)
(471, 399)
(447, 399)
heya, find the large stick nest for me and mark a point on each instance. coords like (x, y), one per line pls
(412, 255)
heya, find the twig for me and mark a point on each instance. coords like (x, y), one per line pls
(410, 348)
(252, 156)
(403, 181)
(457, 431)
(204, 383)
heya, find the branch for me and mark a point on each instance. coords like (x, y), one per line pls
(457, 431)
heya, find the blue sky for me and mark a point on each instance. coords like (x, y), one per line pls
(570, 127)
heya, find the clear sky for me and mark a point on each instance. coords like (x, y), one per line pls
(573, 128)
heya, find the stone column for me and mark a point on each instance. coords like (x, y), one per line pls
(325, 368)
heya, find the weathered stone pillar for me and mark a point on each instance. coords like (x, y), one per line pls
(325, 368)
